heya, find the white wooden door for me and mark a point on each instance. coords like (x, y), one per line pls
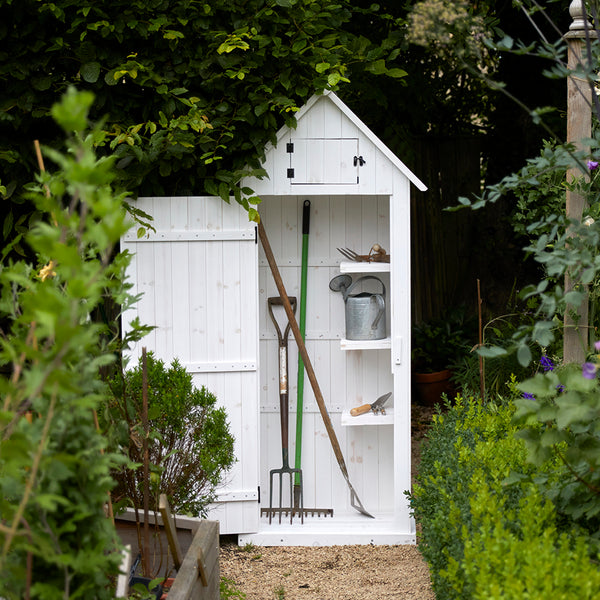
(323, 161)
(198, 277)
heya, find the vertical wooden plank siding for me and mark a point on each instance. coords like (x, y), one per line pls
(199, 275)
(346, 378)
(400, 353)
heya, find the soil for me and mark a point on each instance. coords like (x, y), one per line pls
(332, 572)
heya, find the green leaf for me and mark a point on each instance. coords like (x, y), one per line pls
(396, 73)
(491, 351)
(524, 355)
(571, 411)
(542, 333)
(224, 191)
(8, 224)
(377, 67)
(41, 83)
(540, 385)
(71, 114)
(573, 297)
(575, 381)
(171, 34)
(90, 71)
(333, 79)
(322, 67)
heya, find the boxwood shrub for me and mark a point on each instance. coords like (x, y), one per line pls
(486, 530)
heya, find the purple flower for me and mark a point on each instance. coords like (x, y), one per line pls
(588, 370)
(597, 346)
(528, 396)
(561, 388)
(592, 165)
(547, 364)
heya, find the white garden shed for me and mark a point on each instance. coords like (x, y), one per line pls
(205, 284)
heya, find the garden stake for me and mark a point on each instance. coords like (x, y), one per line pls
(146, 466)
(354, 499)
(300, 387)
(481, 363)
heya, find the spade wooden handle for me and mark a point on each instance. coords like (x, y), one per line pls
(360, 410)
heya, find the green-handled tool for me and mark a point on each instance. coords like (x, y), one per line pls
(302, 326)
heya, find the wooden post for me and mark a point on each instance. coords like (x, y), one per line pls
(579, 127)
(170, 530)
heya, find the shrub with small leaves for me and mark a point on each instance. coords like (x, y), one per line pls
(487, 530)
(190, 445)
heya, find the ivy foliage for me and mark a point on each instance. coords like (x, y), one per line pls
(55, 538)
(191, 90)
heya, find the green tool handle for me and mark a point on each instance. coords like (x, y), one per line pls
(302, 326)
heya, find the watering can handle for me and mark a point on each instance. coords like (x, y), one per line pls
(347, 291)
(381, 304)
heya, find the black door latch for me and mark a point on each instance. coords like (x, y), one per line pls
(359, 160)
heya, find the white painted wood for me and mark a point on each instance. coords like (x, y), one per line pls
(324, 161)
(334, 531)
(122, 589)
(346, 344)
(400, 334)
(327, 117)
(199, 278)
(364, 267)
(369, 418)
(192, 236)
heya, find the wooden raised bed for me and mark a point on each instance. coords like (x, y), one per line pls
(199, 576)
(186, 545)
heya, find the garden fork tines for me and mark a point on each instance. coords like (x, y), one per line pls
(350, 254)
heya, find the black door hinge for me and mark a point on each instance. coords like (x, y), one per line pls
(256, 234)
(289, 147)
(290, 173)
(259, 494)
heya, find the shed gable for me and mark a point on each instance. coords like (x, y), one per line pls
(331, 148)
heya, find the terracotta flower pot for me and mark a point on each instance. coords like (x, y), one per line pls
(431, 386)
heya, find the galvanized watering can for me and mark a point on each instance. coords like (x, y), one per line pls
(365, 311)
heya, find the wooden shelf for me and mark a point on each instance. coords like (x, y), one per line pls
(348, 266)
(369, 418)
(383, 344)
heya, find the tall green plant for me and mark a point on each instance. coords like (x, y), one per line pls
(55, 538)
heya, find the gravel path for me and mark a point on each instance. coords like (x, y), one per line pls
(332, 572)
(327, 572)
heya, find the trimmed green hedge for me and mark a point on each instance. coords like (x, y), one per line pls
(485, 538)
